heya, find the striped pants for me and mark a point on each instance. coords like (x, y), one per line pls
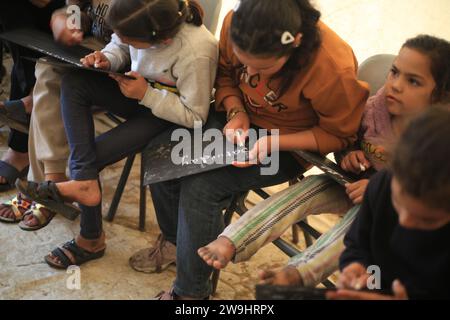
(270, 218)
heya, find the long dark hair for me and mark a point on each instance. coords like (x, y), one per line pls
(152, 20)
(438, 51)
(257, 28)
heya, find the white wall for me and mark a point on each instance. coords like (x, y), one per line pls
(380, 26)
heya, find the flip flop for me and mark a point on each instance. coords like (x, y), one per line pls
(13, 114)
(11, 174)
(47, 194)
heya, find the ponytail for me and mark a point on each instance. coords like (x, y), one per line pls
(196, 13)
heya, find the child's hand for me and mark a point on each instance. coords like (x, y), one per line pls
(398, 289)
(353, 161)
(257, 154)
(40, 3)
(287, 276)
(97, 60)
(133, 89)
(356, 190)
(354, 276)
(64, 35)
(240, 122)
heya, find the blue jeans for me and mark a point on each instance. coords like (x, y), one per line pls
(189, 213)
(80, 91)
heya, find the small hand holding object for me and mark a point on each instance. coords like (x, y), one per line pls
(354, 276)
(398, 289)
(287, 276)
(40, 3)
(257, 154)
(355, 162)
(96, 60)
(236, 130)
(356, 190)
(132, 88)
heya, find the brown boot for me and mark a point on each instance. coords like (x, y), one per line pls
(154, 259)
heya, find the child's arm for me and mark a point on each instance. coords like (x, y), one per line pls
(338, 100)
(117, 53)
(195, 81)
(357, 240)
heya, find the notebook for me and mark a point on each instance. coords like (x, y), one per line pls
(67, 56)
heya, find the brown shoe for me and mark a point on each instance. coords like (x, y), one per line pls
(154, 259)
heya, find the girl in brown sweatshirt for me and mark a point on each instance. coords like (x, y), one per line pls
(280, 68)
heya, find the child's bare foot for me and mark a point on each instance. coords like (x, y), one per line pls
(218, 253)
(85, 192)
(287, 276)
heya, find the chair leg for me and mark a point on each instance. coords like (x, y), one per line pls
(294, 234)
(309, 240)
(120, 187)
(142, 199)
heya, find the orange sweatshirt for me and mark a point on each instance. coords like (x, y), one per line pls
(325, 97)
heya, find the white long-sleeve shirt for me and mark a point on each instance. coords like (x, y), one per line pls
(189, 63)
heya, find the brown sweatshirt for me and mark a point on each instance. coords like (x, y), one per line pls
(325, 96)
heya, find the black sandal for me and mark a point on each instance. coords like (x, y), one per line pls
(79, 254)
(11, 174)
(47, 194)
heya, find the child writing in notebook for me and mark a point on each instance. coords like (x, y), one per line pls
(163, 41)
(403, 227)
(419, 77)
(275, 72)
